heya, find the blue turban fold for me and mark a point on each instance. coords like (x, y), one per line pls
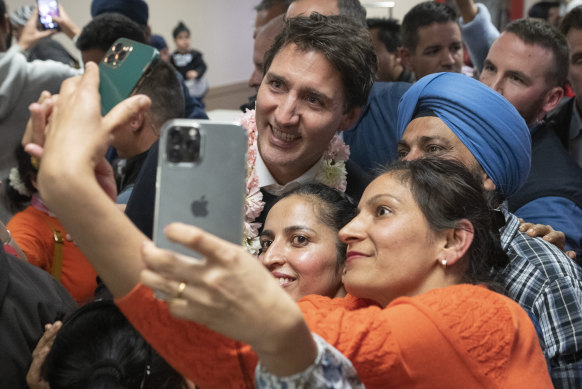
(487, 124)
(136, 10)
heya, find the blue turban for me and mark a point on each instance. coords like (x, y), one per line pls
(136, 10)
(487, 124)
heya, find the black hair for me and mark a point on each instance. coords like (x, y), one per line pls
(539, 32)
(352, 9)
(447, 192)
(161, 85)
(267, 4)
(103, 30)
(335, 209)
(541, 10)
(180, 27)
(97, 347)
(18, 188)
(573, 19)
(388, 32)
(422, 15)
(344, 43)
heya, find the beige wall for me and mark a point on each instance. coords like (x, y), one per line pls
(221, 30)
(400, 9)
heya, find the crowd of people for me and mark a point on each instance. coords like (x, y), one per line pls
(413, 214)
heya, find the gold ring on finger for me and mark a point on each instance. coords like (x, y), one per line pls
(181, 289)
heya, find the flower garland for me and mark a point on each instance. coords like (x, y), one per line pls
(17, 184)
(332, 172)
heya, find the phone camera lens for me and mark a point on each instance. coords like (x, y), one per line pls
(174, 154)
(117, 47)
(110, 58)
(121, 55)
(175, 136)
(192, 146)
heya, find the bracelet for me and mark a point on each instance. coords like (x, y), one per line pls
(9, 238)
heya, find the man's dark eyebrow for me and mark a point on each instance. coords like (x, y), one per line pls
(488, 62)
(433, 47)
(315, 93)
(427, 139)
(521, 75)
(272, 76)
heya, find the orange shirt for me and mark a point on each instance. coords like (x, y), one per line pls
(461, 336)
(32, 229)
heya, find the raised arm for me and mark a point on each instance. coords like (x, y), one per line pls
(477, 29)
(73, 173)
(467, 9)
(31, 35)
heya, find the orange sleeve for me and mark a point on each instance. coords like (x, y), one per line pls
(469, 328)
(34, 238)
(205, 357)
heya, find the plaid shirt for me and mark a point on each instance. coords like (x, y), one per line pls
(548, 284)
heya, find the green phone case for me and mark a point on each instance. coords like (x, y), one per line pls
(121, 69)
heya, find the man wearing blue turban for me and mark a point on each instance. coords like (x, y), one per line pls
(457, 117)
(489, 126)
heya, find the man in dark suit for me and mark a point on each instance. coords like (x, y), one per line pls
(566, 120)
(528, 65)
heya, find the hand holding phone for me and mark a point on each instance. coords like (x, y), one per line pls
(201, 181)
(47, 10)
(123, 67)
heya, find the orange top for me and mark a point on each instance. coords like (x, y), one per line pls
(461, 336)
(32, 229)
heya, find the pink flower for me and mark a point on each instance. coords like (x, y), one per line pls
(247, 120)
(337, 150)
(254, 205)
(251, 230)
(252, 182)
(251, 156)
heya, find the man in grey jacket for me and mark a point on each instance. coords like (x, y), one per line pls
(22, 83)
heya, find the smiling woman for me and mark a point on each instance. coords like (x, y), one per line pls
(300, 244)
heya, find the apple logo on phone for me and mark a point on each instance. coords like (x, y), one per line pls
(200, 207)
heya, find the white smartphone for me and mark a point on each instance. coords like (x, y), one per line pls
(201, 179)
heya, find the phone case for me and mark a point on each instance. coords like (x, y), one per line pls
(207, 190)
(121, 69)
